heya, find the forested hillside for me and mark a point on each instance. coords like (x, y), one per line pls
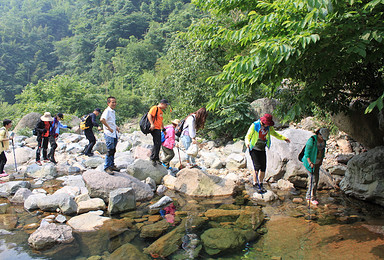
(69, 55)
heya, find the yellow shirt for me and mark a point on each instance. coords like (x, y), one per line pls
(4, 145)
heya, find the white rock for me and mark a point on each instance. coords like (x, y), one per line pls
(90, 205)
(87, 222)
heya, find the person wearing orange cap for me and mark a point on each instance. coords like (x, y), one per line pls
(258, 137)
(42, 129)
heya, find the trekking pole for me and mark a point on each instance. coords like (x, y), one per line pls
(178, 151)
(310, 195)
(14, 155)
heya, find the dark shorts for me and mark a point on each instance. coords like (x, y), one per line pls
(259, 159)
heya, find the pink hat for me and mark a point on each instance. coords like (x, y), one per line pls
(267, 120)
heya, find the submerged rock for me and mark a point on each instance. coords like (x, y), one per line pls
(87, 222)
(10, 188)
(128, 252)
(49, 234)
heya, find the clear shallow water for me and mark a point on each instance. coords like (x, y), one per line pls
(340, 228)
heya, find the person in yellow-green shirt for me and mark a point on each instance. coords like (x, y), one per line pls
(4, 145)
(258, 137)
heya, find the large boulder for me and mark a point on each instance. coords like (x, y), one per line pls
(197, 183)
(31, 202)
(29, 120)
(23, 155)
(364, 178)
(21, 195)
(362, 127)
(47, 171)
(121, 200)
(282, 162)
(49, 234)
(63, 201)
(141, 169)
(265, 105)
(10, 188)
(100, 184)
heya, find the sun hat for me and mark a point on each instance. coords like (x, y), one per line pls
(267, 120)
(46, 117)
(176, 122)
(324, 133)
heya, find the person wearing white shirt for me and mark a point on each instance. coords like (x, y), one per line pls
(193, 123)
(108, 119)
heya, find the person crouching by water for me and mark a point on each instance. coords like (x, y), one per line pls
(42, 129)
(313, 158)
(193, 123)
(169, 142)
(4, 140)
(258, 137)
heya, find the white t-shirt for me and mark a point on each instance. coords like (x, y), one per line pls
(110, 118)
(190, 126)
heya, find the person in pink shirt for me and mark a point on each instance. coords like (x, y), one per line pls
(169, 142)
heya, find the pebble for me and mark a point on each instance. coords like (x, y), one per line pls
(297, 200)
(60, 218)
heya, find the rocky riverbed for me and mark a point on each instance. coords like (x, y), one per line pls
(75, 210)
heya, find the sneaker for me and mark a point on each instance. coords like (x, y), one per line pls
(45, 161)
(89, 154)
(38, 163)
(3, 174)
(53, 161)
(313, 202)
(114, 168)
(109, 171)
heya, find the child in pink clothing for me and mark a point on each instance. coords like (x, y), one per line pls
(169, 142)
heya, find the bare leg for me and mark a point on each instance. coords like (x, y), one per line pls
(261, 177)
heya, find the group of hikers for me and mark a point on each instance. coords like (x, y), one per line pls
(257, 139)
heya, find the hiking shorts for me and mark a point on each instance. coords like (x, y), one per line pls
(259, 159)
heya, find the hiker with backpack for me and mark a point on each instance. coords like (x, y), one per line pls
(314, 153)
(54, 132)
(155, 118)
(4, 140)
(193, 122)
(258, 137)
(108, 119)
(89, 123)
(42, 131)
(169, 142)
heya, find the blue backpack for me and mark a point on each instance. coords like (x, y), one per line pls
(162, 137)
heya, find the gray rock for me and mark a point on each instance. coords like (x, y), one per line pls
(28, 121)
(23, 155)
(265, 105)
(90, 205)
(197, 183)
(161, 203)
(141, 169)
(121, 200)
(93, 162)
(344, 158)
(87, 222)
(268, 196)
(72, 191)
(71, 138)
(49, 234)
(47, 171)
(74, 148)
(123, 146)
(76, 180)
(100, 184)
(3, 208)
(161, 189)
(151, 183)
(60, 218)
(364, 178)
(10, 188)
(21, 195)
(235, 162)
(31, 202)
(63, 201)
(101, 147)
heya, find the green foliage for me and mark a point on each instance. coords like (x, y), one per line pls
(65, 94)
(332, 49)
(25, 132)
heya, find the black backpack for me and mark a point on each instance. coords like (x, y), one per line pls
(179, 128)
(145, 125)
(301, 154)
